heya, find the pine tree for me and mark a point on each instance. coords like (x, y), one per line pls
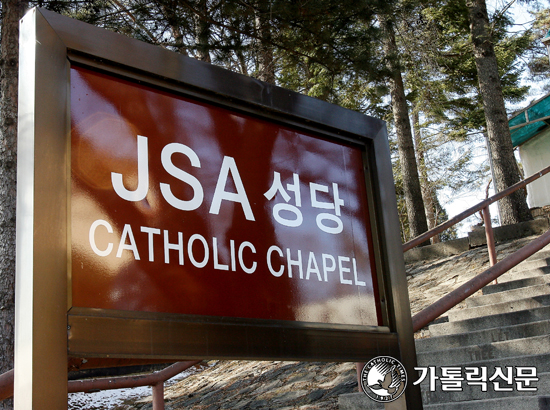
(409, 171)
(513, 208)
(478, 69)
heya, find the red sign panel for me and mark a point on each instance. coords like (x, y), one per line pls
(180, 206)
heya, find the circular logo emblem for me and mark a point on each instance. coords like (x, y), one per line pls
(383, 379)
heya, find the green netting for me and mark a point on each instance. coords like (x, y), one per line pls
(518, 119)
(520, 135)
(538, 110)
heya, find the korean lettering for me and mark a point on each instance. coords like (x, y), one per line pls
(277, 187)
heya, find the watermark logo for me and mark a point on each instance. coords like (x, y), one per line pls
(498, 379)
(383, 379)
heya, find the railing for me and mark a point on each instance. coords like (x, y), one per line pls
(450, 300)
(155, 380)
(470, 211)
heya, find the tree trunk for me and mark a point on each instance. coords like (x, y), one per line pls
(428, 192)
(12, 10)
(409, 170)
(202, 33)
(514, 207)
(170, 11)
(266, 67)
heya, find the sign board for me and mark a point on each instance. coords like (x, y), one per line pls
(196, 209)
(170, 209)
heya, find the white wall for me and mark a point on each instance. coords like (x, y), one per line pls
(535, 155)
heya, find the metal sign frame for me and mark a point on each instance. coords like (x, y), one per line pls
(48, 330)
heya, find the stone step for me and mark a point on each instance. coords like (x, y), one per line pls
(499, 308)
(469, 393)
(516, 273)
(463, 355)
(516, 284)
(491, 321)
(541, 254)
(508, 403)
(532, 264)
(497, 334)
(544, 253)
(509, 295)
(508, 326)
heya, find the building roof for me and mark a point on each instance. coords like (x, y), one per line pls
(529, 121)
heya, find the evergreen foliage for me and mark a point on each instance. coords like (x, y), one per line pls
(334, 51)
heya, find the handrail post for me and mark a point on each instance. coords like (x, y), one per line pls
(158, 396)
(359, 367)
(490, 237)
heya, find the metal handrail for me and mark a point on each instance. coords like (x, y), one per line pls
(470, 211)
(155, 380)
(6, 385)
(126, 382)
(453, 298)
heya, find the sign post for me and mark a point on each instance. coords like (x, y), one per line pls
(42, 265)
(182, 211)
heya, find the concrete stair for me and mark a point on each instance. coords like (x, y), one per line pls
(507, 327)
